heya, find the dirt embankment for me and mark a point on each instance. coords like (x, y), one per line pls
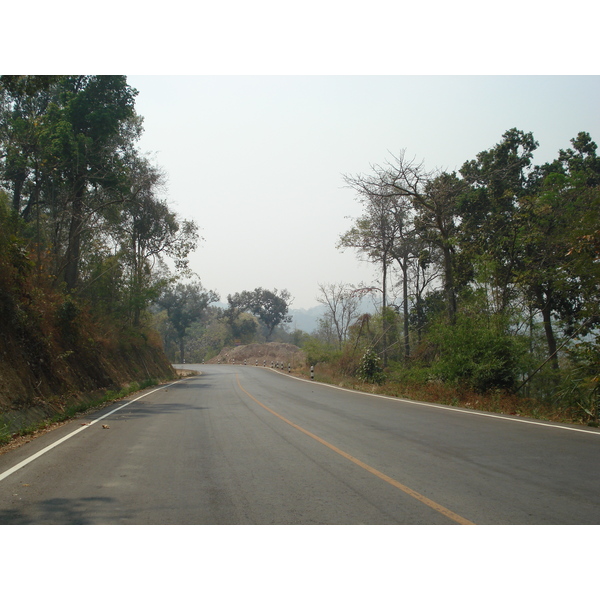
(40, 376)
(262, 355)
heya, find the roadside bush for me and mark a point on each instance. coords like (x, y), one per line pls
(348, 363)
(477, 353)
(318, 352)
(579, 389)
(369, 369)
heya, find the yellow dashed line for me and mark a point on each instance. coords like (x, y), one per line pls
(434, 505)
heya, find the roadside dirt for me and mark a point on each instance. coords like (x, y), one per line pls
(261, 354)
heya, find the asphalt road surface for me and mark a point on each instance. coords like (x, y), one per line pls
(247, 445)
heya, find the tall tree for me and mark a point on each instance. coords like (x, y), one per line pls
(375, 232)
(88, 127)
(148, 231)
(561, 212)
(271, 307)
(405, 251)
(434, 198)
(490, 227)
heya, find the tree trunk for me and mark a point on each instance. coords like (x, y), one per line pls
(383, 311)
(449, 284)
(181, 349)
(544, 302)
(550, 339)
(405, 303)
(17, 193)
(74, 248)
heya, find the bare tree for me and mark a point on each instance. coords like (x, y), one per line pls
(434, 197)
(342, 304)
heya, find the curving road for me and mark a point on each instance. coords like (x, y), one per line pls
(246, 445)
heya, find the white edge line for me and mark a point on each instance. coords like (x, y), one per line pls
(474, 413)
(70, 435)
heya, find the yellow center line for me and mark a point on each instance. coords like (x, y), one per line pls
(428, 502)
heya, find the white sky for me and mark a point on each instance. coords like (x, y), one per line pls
(257, 161)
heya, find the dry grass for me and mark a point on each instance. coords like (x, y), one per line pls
(439, 393)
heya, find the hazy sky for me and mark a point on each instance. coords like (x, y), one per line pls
(261, 107)
(258, 161)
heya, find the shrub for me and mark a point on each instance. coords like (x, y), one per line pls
(369, 369)
(579, 388)
(476, 353)
(318, 352)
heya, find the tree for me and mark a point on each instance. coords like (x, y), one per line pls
(270, 307)
(405, 251)
(374, 233)
(149, 231)
(88, 126)
(22, 110)
(498, 178)
(434, 198)
(560, 214)
(341, 303)
(185, 304)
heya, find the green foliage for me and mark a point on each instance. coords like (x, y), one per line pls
(477, 352)
(269, 306)
(83, 234)
(185, 304)
(580, 386)
(318, 351)
(369, 369)
(5, 434)
(244, 329)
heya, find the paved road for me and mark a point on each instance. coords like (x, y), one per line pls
(245, 445)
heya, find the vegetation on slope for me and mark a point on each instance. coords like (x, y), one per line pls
(83, 237)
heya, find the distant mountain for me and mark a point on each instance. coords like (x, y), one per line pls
(305, 319)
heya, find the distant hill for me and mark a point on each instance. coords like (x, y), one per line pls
(306, 319)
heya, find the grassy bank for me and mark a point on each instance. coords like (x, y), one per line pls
(496, 401)
(62, 410)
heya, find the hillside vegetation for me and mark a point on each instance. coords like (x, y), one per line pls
(83, 238)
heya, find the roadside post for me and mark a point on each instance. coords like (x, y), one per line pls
(312, 372)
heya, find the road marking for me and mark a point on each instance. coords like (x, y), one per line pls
(465, 411)
(73, 433)
(434, 505)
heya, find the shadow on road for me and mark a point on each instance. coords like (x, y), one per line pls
(66, 511)
(140, 410)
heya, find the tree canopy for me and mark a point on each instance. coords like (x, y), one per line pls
(510, 246)
(82, 194)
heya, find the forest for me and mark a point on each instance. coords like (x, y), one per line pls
(488, 276)
(88, 241)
